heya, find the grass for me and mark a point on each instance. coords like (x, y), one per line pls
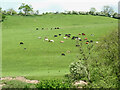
(43, 60)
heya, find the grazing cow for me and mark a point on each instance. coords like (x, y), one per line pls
(55, 35)
(96, 41)
(21, 43)
(65, 37)
(76, 37)
(80, 40)
(36, 28)
(57, 28)
(73, 37)
(61, 41)
(77, 45)
(83, 34)
(63, 54)
(79, 34)
(51, 40)
(46, 39)
(91, 41)
(85, 38)
(87, 41)
(59, 34)
(68, 36)
(39, 37)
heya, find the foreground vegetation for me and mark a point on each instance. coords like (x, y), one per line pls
(103, 68)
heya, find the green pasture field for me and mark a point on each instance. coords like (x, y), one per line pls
(42, 59)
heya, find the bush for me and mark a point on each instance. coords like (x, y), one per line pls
(105, 72)
(2, 17)
(53, 84)
(101, 69)
(80, 69)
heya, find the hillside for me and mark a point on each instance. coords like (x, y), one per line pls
(42, 59)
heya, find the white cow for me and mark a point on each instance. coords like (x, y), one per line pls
(39, 37)
(46, 39)
(51, 40)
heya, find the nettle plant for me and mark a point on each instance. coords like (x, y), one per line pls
(80, 69)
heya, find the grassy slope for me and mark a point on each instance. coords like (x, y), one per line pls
(42, 59)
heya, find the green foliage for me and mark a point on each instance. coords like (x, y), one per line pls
(108, 11)
(101, 70)
(26, 8)
(2, 17)
(80, 69)
(53, 84)
(92, 11)
(11, 12)
(105, 72)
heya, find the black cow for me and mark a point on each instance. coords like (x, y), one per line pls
(63, 54)
(73, 37)
(87, 41)
(21, 43)
(59, 34)
(77, 45)
(76, 37)
(55, 35)
(68, 36)
(91, 40)
(57, 28)
(36, 28)
(80, 40)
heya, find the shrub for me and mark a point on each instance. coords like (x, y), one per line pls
(80, 69)
(53, 84)
(105, 72)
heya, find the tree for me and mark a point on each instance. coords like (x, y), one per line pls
(37, 12)
(92, 11)
(20, 13)
(0, 9)
(11, 11)
(26, 8)
(108, 11)
(4, 12)
(115, 15)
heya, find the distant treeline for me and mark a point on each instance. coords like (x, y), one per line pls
(27, 10)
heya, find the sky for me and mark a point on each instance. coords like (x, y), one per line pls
(60, 5)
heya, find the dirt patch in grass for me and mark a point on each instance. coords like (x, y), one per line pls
(20, 78)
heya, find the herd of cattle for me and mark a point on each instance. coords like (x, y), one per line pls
(47, 28)
(66, 36)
